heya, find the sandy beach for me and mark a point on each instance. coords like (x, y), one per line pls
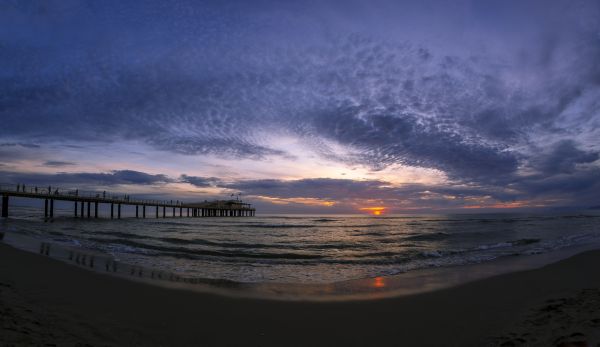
(47, 302)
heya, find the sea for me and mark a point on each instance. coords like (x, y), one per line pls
(307, 248)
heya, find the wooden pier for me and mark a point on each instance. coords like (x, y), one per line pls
(85, 204)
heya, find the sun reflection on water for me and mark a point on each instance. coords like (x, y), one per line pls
(379, 282)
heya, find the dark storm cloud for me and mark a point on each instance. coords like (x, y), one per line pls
(564, 172)
(580, 188)
(86, 179)
(562, 158)
(429, 84)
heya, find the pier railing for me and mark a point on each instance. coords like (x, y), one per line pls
(74, 193)
(217, 208)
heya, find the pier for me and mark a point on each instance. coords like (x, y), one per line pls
(86, 203)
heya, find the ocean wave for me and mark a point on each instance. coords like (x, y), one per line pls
(370, 233)
(278, 226)
(427, 237)
(119, 234)
(183, 252)
(509, 244)
(310, 246)
(579, 216)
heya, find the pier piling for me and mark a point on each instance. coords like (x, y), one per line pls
(216, 208)
(5, 206)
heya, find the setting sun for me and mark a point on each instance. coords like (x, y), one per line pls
(375, 211)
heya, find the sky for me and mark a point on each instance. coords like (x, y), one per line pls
(307, 106)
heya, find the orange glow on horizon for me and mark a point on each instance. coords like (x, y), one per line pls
(303, 201)
(376, 211)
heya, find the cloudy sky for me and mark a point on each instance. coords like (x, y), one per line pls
(307, 106)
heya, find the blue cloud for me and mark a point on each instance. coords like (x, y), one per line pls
(86, 179)
(57, 163)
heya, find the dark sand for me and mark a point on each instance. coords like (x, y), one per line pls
(47, 302)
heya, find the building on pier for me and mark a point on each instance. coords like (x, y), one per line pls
(222, 208)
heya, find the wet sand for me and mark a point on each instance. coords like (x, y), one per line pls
(47, 302)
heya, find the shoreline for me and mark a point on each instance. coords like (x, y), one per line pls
(371, 288)
(47, 301)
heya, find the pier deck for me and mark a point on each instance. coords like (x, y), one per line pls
(90, 201)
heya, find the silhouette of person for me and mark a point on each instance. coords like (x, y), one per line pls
(18, 187)
(104, 194)
(49, 190)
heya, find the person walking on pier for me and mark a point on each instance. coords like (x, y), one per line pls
(23, 187)
(104, 194)
(36, 190)
(18, 187)
(49, 190)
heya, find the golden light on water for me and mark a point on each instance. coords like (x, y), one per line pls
(375, 211)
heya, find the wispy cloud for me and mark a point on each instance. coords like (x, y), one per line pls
(58, 163)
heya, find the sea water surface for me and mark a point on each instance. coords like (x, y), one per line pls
(309, 249)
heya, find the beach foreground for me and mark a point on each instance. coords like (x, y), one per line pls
(46, 302)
